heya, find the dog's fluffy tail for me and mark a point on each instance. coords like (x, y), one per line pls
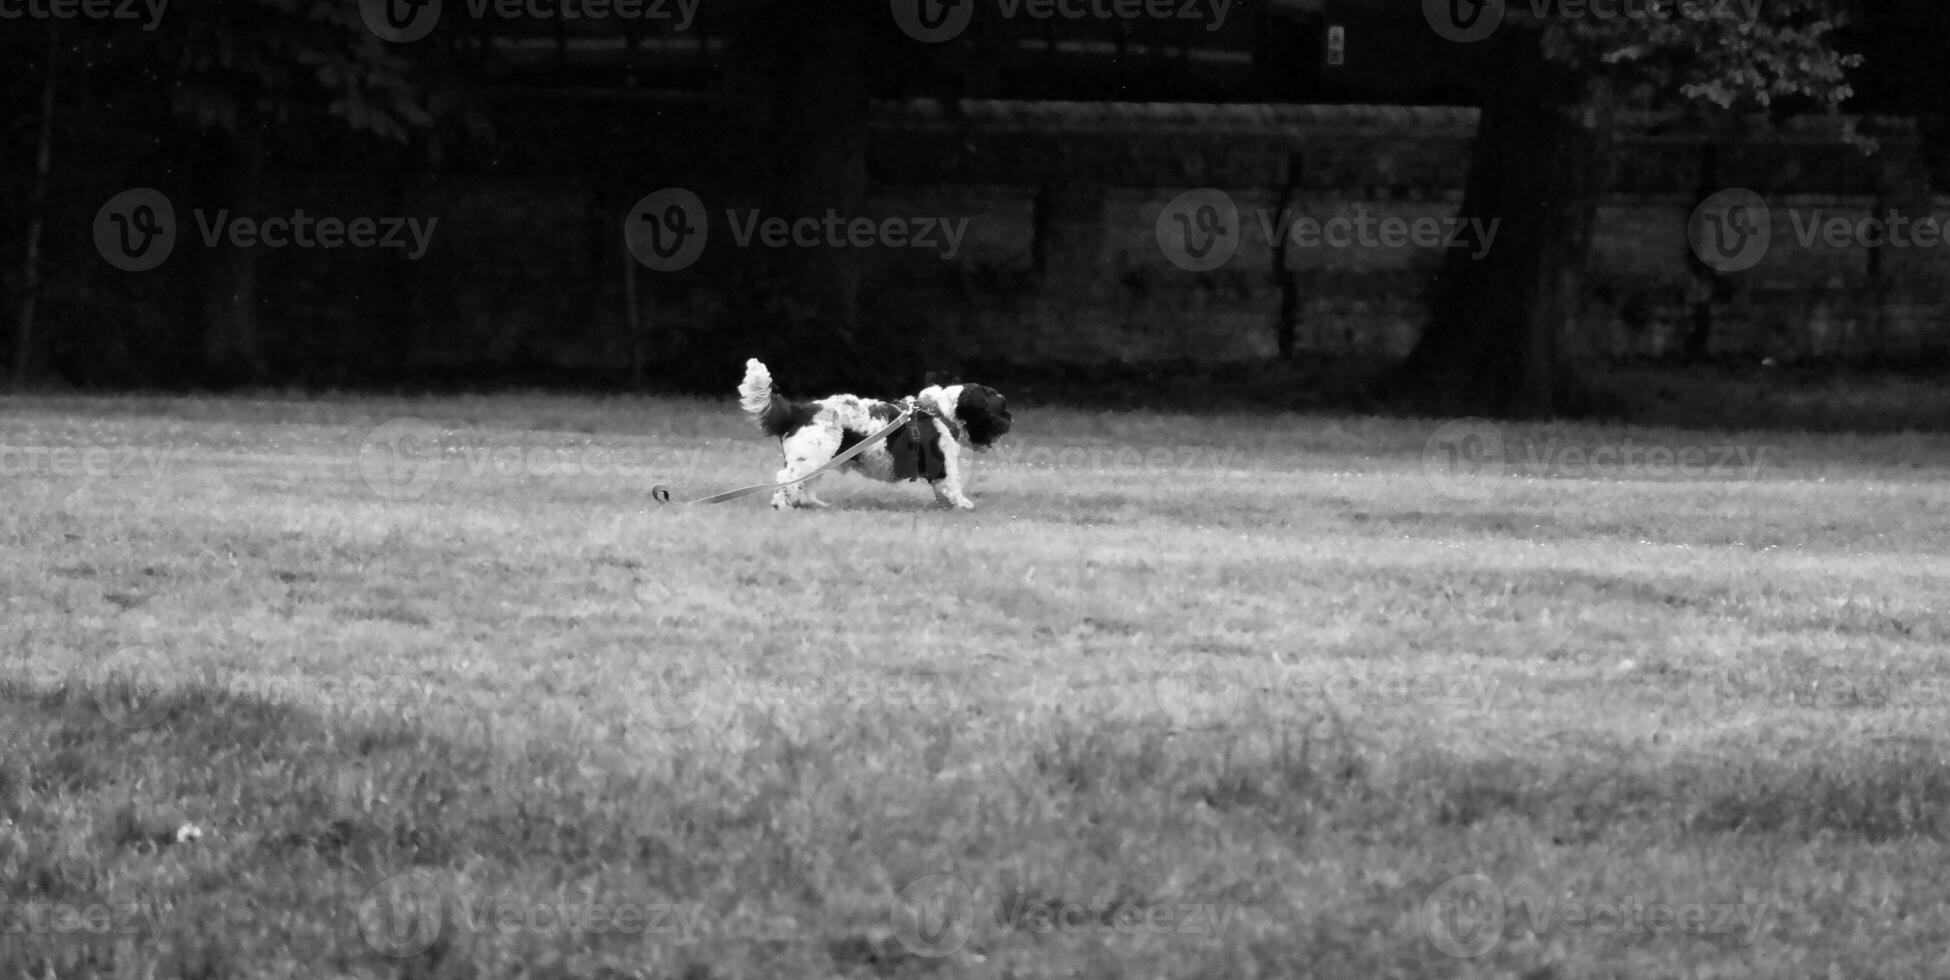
(761, 401)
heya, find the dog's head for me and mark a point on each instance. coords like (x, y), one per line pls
(980, 410)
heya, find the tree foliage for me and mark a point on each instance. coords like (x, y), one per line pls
(288, 67)
(1728, 61)
(1494, 342)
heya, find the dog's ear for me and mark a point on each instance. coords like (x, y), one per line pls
(984, 413)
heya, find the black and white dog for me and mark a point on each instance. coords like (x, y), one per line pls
(927, 448)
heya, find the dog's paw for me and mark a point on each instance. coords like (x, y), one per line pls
(964, 504)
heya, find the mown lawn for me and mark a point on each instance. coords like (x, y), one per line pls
(1221, 697)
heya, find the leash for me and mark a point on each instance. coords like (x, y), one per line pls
(661, 493)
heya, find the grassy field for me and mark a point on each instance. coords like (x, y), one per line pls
(432, 688)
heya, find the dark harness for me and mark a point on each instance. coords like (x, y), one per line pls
(916, 447)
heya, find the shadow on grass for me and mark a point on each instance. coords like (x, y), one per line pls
(1877, 793)
(234, 835)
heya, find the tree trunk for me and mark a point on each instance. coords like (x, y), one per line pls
(1066, 246)
(233, 347)
(1287, 328)
(1703, 288)
(27, 346)
(220, 340)
(407, 325)
(819, 121)
(1494, 341)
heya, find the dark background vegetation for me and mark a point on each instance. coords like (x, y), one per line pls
(1057, 140)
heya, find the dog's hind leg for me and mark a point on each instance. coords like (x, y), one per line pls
(812, 499)
(805, 450)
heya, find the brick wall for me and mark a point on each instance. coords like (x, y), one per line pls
(1060, 262)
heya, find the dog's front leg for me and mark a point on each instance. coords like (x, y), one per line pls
(948, 488)
(950, 497)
